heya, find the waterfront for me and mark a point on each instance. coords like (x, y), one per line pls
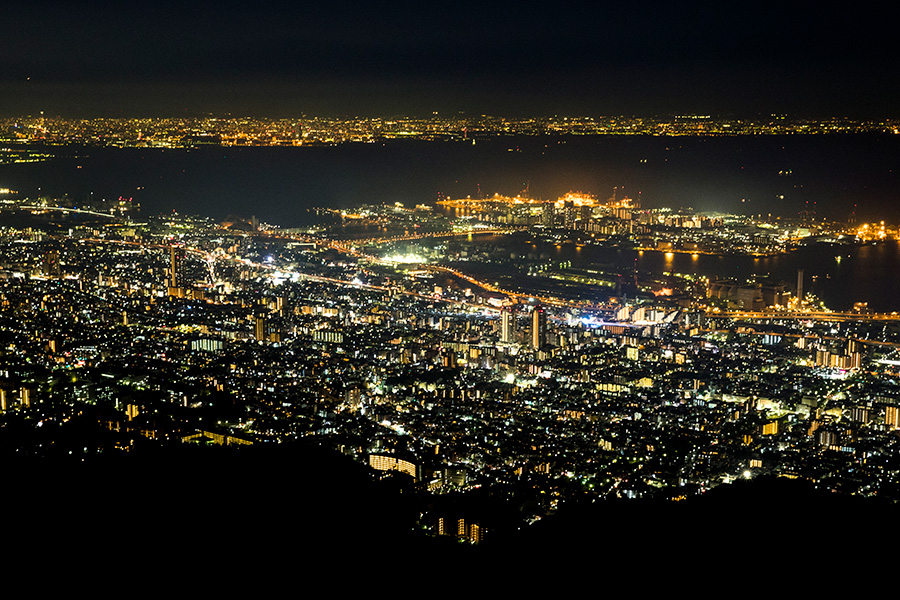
(174, 331)
(779, 174)
(840, 276)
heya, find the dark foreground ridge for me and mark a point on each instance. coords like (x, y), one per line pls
(267, 507)
(745, 517)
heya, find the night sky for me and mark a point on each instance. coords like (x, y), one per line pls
(412, 58)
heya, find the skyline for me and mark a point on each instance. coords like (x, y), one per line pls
(457, 329)
(127, 342)
(279, 60)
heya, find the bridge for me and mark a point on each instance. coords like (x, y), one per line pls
(71, 210)
(433, 234)
(807, 315)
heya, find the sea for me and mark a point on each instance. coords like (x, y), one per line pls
(836, 177)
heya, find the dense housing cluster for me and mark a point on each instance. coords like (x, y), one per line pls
(305, 130)
(179, 330)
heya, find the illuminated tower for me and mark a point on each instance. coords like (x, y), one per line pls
(176, 261)
(570, 214)
(260, 327)
(547, 214)
(538, 328)
(507, 325)
(799, 288)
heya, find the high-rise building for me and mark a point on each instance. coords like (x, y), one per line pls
(859, 414)
(51, 265)
(259, 329)
(538, 328)
(548, 214)
(507, 325)
(176, 265)
(570, 214)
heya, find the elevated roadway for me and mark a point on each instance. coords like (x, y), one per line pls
(807, 315)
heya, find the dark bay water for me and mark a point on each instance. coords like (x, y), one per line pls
(838, 275)
(782, 175)
(766, 174)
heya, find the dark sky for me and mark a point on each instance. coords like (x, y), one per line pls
(392, 58)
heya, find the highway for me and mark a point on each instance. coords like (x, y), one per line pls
(807, 315)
